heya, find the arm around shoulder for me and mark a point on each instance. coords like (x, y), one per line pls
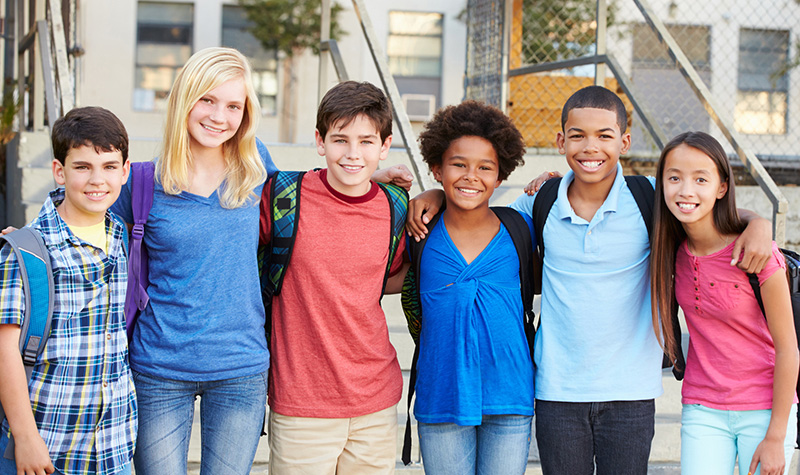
(754, 245)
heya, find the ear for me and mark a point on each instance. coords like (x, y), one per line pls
(560, 143)
(58, 172)
(387, 144)
(320, 143)
(126, 170)
(437, 172)
(626, 144)
(723, 188)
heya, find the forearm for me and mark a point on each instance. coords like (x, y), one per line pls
(783, 391)
(14, 390)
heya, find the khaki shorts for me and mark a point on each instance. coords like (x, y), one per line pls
(350, 446)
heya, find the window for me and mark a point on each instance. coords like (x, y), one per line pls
(414, 48)
(761, 101)
(163, 45)
(264, 63)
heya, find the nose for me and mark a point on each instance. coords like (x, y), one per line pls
(353, 151)
(96, 177)
(216, 114)
(591, 145)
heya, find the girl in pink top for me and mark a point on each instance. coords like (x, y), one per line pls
(741, 368)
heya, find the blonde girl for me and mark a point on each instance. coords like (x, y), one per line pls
(202, 333)
(739, 388)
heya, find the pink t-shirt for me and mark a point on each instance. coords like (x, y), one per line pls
(330, 350)
(731, 356)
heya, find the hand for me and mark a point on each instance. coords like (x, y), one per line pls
(31, 455)
(398, 175)
(8, 230)
(756, 241)
(420, 211)
(537, 182)
(769, 454)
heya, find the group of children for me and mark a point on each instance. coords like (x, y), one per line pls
(334, 379)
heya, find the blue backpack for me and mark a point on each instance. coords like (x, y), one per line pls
(38, 287)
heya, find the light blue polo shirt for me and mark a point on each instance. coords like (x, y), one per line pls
(596, 341)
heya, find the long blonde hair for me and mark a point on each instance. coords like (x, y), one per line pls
(244, 170)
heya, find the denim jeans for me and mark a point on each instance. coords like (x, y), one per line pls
(498, 446)
(711, 439)
(9, 467)
(231, 418)
(615, 436)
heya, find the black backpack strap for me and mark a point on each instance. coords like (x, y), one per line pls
(413, 309)
(643, 193)
(545, 198)
(520, 234)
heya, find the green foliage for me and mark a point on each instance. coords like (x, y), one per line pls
(290, 26)
(554, 30)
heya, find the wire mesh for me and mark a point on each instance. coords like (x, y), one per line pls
(486, 23)
(745, 51)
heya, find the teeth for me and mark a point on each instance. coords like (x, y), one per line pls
(593, 164)
(351, 167)
(212, 129)
(96, 194)
(465, 190)
(687, 206)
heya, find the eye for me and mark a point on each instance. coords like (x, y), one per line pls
(605, 136)
(575, 136)
(366, 142)
(206, 100)
(340, 141)
(702, 180)
(111, 167)
(235, 107)
(672, 178)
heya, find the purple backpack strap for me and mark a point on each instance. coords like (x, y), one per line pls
(142, 187)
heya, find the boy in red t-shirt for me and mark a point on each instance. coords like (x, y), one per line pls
(335, 380)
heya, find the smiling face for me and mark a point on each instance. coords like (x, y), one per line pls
(468, 173)
(216, 117)
(691, 185)
(352, 153)
(92, 181)
(592, 142)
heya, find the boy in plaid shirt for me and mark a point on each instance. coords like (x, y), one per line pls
(81, 390)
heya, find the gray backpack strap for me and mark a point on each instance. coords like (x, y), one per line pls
(38, 287)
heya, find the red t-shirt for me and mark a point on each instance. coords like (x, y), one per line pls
(330, 351)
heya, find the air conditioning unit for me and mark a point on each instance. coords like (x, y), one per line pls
(419, 107)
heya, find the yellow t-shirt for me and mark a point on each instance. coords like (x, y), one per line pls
(94, 234)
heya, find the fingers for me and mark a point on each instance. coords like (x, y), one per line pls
(8, 230)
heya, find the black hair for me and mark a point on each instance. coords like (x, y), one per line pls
(472, 118)
(596, 97)
(349, 99)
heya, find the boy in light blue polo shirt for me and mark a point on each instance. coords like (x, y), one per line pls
(597, 359)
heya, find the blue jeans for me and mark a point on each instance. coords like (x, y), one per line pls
(9, 467)
(498, 446)
(712, 438)
(231, 418)
(574, 436)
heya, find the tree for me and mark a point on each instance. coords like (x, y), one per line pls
(290, 27)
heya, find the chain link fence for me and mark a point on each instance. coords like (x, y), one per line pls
(486, 26)
(745, 51)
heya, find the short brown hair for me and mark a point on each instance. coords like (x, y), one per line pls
(349, 99)
(90, 126)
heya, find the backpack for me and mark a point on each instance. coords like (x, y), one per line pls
(412, 308)
(38, 287)
(274, 258)
(793, 275)
(142, 188)
(643, 193)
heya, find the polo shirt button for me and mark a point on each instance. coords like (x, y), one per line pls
(736, 286)
(712, 284)
(697, 298)
(108, 336)
(696, 289)
(105, 384)
(696, 307)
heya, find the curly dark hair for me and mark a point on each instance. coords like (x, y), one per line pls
(472, 118)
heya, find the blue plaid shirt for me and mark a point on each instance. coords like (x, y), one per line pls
(81, 389)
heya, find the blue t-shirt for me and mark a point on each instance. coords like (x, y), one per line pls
(595, 341)
(205, 319)
(474, 357)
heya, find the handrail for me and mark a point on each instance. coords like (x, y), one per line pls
(780, 205)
